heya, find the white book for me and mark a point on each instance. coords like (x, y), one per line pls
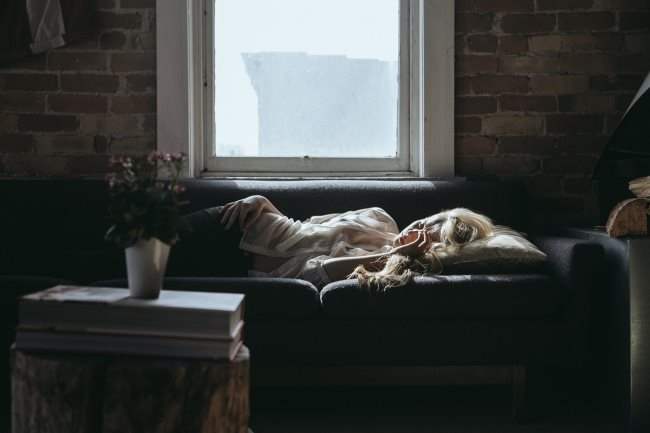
(28, 339)
(111, 310)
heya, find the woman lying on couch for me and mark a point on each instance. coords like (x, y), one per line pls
(364, 243)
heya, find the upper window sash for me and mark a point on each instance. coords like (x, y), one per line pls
(182, 116)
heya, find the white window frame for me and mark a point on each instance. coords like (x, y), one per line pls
(183, 100)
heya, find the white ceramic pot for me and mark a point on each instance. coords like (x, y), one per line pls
(146, 262)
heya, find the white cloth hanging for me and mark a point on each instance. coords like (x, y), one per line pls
(46, 24)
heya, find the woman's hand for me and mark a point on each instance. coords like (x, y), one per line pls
(246, 211)
(413, 243)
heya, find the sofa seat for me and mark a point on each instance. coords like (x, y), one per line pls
(505, 296)
(286, 298)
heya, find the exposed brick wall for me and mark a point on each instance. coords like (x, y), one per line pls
(540, 85)
(63, 113)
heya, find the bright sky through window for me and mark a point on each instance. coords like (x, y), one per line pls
(306, 77)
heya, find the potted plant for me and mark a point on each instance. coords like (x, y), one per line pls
(144, 210)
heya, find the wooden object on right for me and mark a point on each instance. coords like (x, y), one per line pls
(629, 218)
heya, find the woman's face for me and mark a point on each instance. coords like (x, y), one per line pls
(410, 233)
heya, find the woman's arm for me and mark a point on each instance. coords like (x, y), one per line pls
(340, 267)
(246, 211)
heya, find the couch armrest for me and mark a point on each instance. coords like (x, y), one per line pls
(577, 265)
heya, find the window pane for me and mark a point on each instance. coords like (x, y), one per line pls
(306, 78)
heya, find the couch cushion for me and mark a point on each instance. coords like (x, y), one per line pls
(265, 297)
(504, 296)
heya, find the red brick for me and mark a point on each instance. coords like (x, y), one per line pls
(510, 165)
(574, 124)
(468, 65)
(552, 5)
(528, 23)
(472, 23)
(463, 85)
(476, 105)
(582, 144)
(495, 84)
(133, 62)
(141, 82)
(593, 64)
(513, 44)
(527, 64)
(482, 43)
(112, 41)
(467, 124)
(510, 124)
(133, 104)
(101, 144)
(106, 4)
(16, 143)
(571, 164)
(93, 83)
(634, 21)
(504, 5)
(528, 145)
(29, 82)
(143, 41)
(133, 145)
(619, 82)
(31, 63)
(112, 20)
(76, 61)
(149, 123)
(619, 5)
(137, 4)
(79, 165)
(475, 145)
(587, 103)
(464, 5)
(588, 21)
(47, 122)
(559, 84)
(468, 166)
(22, 102)
(64, 144)
(527, 103)
(65, 103)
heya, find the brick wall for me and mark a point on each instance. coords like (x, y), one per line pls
(540, 85)
(65, 112)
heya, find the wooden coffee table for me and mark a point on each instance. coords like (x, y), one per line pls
(77, 393)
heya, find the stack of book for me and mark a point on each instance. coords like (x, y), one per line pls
(107, 320)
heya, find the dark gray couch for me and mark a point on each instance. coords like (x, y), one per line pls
(52, 231)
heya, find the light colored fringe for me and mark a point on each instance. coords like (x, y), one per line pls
(457, 227)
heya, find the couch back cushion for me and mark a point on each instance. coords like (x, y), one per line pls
(56, 227)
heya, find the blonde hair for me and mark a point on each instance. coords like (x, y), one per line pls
(457, 227)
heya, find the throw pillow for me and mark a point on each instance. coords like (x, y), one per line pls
(505, 251)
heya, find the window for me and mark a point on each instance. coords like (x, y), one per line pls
(307, 87)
